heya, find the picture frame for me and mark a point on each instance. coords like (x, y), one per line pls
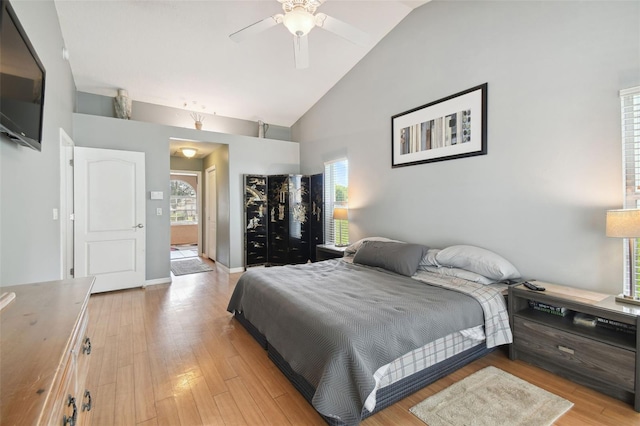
(446, 129)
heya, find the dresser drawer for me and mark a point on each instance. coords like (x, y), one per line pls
(62, 399)
(579, 354)
(82, 352)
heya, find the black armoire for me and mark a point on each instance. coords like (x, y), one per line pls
(283, 218)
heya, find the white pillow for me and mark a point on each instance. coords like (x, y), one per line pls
(353, 248)
(429, 259)
(478, 260)
(458, 273)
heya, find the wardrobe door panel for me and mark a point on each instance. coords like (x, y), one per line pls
(298, 219)
(256, 216)
(316, 213)
(278, 225)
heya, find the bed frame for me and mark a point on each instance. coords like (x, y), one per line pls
(385, 396)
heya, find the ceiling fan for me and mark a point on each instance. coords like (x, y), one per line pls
(300, 17)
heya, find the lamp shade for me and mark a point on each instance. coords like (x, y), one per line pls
(340, 213)
(189, 152)
(623, 223)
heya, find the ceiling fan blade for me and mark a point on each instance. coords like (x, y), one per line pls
(344, 30)
(256, 28)
(301, 51)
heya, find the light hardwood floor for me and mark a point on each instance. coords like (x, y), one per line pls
(172, 355)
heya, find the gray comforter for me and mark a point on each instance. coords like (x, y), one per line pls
(336, 323)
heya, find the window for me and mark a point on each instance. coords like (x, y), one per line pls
(336, 189)
(630, 104)
(183, 203)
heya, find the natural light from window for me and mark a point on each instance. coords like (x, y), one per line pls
(630, 105)
(183, 204)
(336, 195)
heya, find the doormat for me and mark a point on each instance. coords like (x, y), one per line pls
(189, 266)
(491, 397)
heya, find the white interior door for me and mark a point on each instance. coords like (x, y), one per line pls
(211, 212)
(109, 190)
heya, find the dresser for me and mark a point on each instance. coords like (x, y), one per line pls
(44, 353)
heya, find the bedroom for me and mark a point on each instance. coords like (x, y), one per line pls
(543, 188)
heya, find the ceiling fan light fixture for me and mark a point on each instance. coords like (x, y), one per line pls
(299, 22)
(189, 152)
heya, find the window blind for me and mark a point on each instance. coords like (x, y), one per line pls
(336, 184)
(630, 105)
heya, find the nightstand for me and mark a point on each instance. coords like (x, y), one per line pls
(584, 336)
(328, 251)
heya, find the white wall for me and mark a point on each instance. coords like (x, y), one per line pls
(30, 180)
(553, 167)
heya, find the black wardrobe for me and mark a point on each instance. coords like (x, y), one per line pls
(283, 218)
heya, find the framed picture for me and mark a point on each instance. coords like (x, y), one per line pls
(452, 127)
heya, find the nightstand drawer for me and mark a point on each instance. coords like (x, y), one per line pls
(579, 354)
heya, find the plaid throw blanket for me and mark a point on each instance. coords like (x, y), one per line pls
(496, 317)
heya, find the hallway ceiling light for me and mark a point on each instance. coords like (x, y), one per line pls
(189, 152)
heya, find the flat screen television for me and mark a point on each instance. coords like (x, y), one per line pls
(21, 83)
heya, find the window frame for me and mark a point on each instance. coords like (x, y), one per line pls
(193, 203)
(630, 126)
(332, 226)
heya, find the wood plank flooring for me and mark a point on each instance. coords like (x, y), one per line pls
(172, 355)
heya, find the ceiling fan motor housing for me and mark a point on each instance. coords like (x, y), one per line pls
(308, 5)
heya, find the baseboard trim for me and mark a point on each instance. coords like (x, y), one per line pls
(157, 281)
(229, 270)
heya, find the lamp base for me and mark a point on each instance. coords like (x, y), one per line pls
(627, 299)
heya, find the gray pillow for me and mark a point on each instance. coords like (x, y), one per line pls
(401, 258)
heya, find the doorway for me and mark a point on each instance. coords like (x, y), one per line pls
(185, 214)
(211, 202)
(109, 211)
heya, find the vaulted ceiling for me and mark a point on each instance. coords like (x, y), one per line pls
(178, 53)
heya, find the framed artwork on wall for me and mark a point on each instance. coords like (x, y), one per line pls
(449, 128)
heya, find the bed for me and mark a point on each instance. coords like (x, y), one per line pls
(355, 335)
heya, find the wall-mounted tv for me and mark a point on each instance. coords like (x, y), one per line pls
(21, 83)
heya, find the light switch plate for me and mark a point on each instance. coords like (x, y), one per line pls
(159, 211)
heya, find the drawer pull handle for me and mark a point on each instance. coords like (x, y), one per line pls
(86, 348)
(566, 349)
(71, 420)
(87, 406)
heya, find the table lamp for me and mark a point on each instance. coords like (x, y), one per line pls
(340, 213)
(625, 223)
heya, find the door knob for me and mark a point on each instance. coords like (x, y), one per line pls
(139, 226)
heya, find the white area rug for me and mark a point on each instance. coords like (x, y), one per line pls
(491, 397)
(189, 266)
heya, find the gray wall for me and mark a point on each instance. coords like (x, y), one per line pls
(140, 111)
(110, 133)
(182, 163)
(252, 154)
(220, 159)
(30, 180)
(553, 167)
